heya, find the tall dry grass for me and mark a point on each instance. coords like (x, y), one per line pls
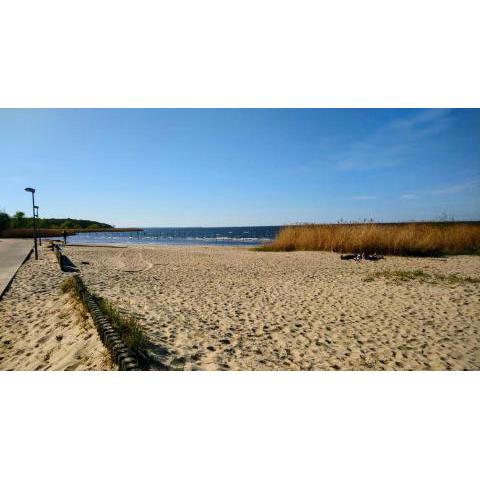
(57, 232)
(416, 239)
(28, 232)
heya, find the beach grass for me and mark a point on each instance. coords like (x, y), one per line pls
(127, 327)
(398, 276)
(408, 239)
(67, 285)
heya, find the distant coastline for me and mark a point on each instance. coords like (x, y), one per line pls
(274, 237)
(57, 232)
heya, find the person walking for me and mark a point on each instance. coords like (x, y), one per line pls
(64, 233)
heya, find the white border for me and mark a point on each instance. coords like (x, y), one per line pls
(239, 425)
(215, 53)
(116, 53)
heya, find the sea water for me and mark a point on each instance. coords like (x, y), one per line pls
(233, 236)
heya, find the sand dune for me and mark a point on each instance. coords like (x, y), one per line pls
(232, 308)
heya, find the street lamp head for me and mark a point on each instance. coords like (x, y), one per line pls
(30, 190)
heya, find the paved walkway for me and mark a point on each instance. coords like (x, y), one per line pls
(12, 254)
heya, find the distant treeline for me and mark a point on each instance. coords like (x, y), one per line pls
(56, 232)
(19, 220)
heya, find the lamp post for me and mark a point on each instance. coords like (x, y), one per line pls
(38, 228)
(32, 191)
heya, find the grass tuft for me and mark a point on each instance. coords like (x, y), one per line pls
(398, 276)
(127, 327)
(408, 239)
(67, 285)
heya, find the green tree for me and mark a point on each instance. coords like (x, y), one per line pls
(18, 220)
(4, 221)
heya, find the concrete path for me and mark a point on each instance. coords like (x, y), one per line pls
(12, 254)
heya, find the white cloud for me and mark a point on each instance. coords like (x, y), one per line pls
(458, 187)
(395, 142)
(426, 118)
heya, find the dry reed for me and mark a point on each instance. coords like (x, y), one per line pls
(58, 232)
(415, 239)
(28, 232)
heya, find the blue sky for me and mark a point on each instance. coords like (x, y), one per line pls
(210, 167)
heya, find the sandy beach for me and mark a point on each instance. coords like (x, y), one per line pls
(221, 308)
(43, 329)
(231, 308)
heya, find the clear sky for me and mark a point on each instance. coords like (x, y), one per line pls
(226, 167)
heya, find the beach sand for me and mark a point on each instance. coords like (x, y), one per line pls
(222, 308)
(44, 329)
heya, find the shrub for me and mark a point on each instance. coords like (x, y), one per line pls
(19, 220)
(4, 221)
